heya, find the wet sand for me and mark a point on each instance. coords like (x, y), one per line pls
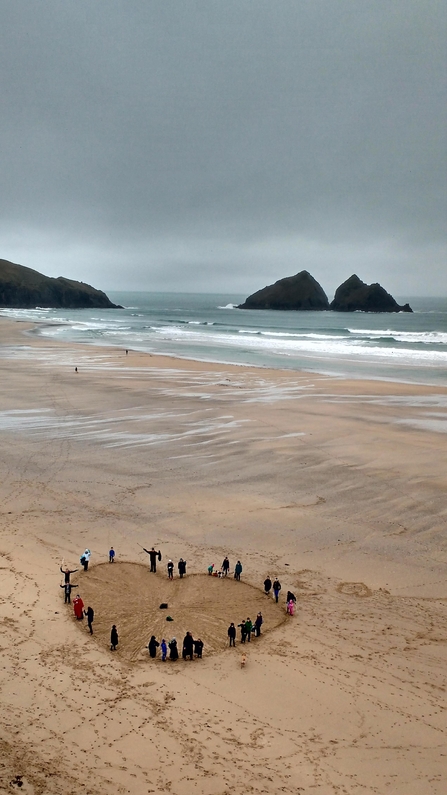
(337, 487)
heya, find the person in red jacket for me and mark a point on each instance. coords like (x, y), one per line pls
(78, 607)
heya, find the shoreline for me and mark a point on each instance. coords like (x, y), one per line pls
(333, 485)
(34, 327)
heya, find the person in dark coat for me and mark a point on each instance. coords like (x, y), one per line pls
(290, 597)
(188, 646)
(238, 570)
(248, 629)
(267, 585)
(198, 648)
(276, 589)
(170, 568)
(66, 572)
(232, 634)
(225, 566)
(113, 638)
(181, 567)
(111, 555)
(258, 624)
(173, 650)
(152, 646)
(67, 591)
(241, 626)
(90, 613)
(153, 555)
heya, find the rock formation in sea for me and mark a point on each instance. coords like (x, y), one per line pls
(301, 292)
(24, 288)
(356, 296)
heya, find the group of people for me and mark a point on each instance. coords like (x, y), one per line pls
(225, 569)
(247, 627)
(190, 648)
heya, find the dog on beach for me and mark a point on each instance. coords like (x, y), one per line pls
(243, 660)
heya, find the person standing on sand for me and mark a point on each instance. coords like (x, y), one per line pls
(267, 585)
(258, 624)
(68, 587)
(232, 634)
(66, 572)
(248, 629)
(243, 632)
(238, 570)
(198, 648)
(153, 555)
(290, 597)
(111, 555)
(225, 566)
(113, 638)
(181, 567)
(170, 568)
(90, 613)
(276, 589)
(290, 607)
(188, 646)
(164, 650)
(85, 559)
(173, 650)
(152, 646)
(78, 607)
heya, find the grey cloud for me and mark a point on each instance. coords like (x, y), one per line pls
(223, 145)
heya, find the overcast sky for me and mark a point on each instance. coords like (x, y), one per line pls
(219, 145)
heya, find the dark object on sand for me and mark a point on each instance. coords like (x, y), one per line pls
(25, 288)
(163, 606)
(356, 296)
(301, 292)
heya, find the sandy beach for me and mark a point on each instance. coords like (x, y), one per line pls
(336, 487)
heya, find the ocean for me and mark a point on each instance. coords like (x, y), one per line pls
(403, 347)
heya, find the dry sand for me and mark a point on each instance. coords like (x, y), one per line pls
(336, 487)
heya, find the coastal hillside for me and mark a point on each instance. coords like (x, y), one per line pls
(24, 288)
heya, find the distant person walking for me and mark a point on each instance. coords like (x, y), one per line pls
(290, 607)
(238, 570)
(232, 634)
(188, 646)
(290, 597)
(276, 589)
(258, 624)
(67, 591)
(113, 638)
(111, 555)
(66, 572)
(90, 613)
(153, 556)
(267, 585)
(170, 568)
(181, 567)
(85, 558)
(153, 646)
(225, 566)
